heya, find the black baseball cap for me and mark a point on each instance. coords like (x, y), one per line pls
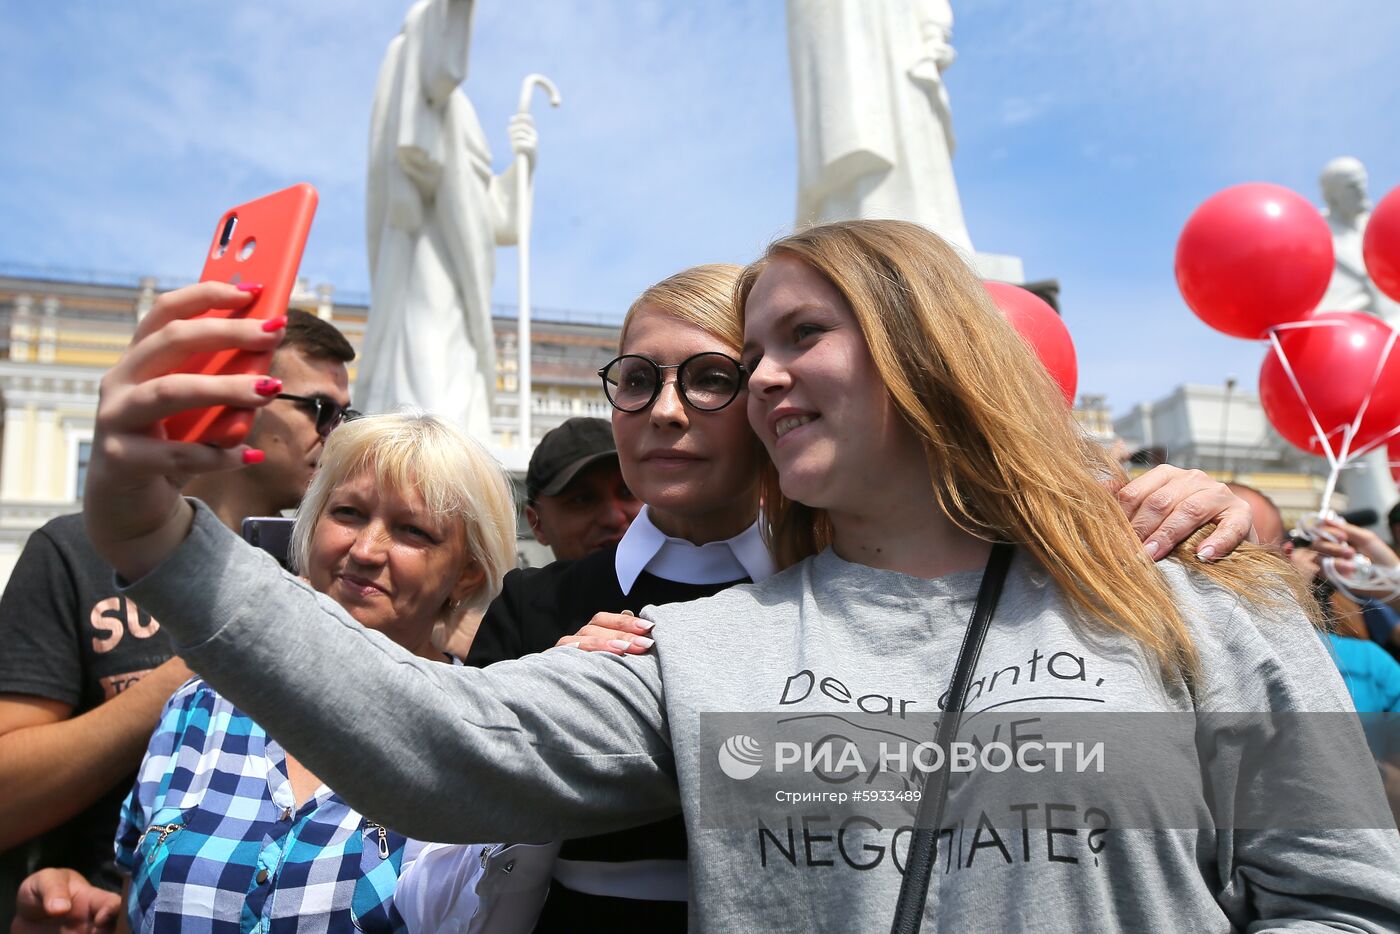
(565, 451)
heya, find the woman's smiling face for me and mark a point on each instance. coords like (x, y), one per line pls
(384, 557)
(816, 399)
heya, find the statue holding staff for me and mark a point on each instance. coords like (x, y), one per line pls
(435, 214)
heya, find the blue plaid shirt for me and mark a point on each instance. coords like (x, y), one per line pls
(214, 840)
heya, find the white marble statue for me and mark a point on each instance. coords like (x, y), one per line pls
(874, 129)
(435, 215)
(1367, 483)
(1343, 182)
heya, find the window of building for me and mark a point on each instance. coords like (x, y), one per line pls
(84, 455)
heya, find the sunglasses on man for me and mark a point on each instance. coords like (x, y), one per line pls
(326, 413)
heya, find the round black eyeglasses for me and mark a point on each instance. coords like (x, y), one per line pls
(707, 381)
(326, 413)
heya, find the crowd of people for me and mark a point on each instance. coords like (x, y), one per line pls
(820, 464)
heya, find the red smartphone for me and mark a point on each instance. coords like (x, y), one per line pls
(261, 241)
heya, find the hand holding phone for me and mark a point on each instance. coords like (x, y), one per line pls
(147, 442)
(258, 243)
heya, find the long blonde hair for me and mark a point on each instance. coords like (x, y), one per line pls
(1007, 461)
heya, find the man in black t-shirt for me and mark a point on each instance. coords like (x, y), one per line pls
(84, 672)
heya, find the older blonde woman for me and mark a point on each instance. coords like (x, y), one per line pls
(407, 523)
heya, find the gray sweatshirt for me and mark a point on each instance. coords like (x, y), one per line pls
(568, 744)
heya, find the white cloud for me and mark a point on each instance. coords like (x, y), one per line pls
(1018, 110)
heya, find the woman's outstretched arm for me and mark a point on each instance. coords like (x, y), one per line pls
(558, 745)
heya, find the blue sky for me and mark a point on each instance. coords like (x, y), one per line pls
(1087, 133)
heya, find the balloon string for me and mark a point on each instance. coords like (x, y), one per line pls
(1322, 436)
(1310, 323)
(1372, 445)
(1377, 578)
(1325, 504)
(1337, 460)
(1375, 380)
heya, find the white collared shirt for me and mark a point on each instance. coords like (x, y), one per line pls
(644, 547)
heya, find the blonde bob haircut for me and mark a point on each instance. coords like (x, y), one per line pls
(420, 452)
(1006, 459)
(702, 296)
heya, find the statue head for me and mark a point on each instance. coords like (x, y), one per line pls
(1343, 183)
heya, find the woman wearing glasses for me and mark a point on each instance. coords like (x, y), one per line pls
(686, 451)
(572, 744)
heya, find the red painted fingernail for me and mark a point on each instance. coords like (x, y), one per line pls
(253, 456)
(268, 386)
(275, 324)
(254, 287)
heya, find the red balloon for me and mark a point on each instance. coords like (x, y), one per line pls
(1040, 326)
(1335, 366)
(1253, 256)
(1380, 247)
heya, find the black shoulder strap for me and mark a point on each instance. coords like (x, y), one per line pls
(913, 891)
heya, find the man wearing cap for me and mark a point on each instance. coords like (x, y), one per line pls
(576, 503)
(576, 499)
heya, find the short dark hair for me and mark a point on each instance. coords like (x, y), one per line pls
(314, 338)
